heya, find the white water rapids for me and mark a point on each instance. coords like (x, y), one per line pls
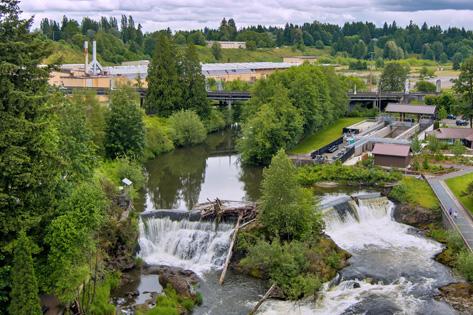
(194, 245)
(391, 271)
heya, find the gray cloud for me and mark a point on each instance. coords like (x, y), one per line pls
(189, 14)
(418, 5)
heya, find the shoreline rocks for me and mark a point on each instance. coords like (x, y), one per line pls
(416, 216)
(182, 281)
(459, 295)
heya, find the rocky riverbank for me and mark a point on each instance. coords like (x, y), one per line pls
(416, 216)
(459, 296)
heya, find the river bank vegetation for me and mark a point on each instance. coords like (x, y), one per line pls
(293, 252)
(348, 175)
(287, 105)
(67, 228)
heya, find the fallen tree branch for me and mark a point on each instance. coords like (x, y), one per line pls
(264, 298)
(230, 251)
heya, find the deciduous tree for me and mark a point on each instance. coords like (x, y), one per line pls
(125, 131)
(393, 77)
(287, 210)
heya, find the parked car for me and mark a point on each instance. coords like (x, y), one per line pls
(451, 116)
(333, 148)
(461, 122)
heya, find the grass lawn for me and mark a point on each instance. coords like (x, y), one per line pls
(458, 185)
(420, 193)
(324, 137)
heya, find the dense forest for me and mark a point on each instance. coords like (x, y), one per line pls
(125, 40)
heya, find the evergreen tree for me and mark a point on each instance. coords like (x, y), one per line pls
(164, 90)
(29, 162)
(193, 83)
(216, 50)
(24, 293)
(464, 87)
(125, 131)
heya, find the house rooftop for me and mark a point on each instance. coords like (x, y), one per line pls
(454, 133)
(391, 149)
(410, 109)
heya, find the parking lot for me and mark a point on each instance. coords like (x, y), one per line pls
(452, 123)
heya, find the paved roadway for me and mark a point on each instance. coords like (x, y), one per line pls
(464, 221)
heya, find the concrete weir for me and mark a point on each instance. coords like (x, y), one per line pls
(347, 198)
(175, 215)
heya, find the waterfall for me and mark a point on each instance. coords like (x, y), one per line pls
(195, 245)
(391, 270)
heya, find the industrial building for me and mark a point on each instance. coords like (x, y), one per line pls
(227, 44)
(135, 73)
(244, 71)
(300, 59)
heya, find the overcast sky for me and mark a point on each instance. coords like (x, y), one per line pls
(191, 14)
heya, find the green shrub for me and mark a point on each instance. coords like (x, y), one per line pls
(465, 265)
(101, 304)
(187, 128)
(440, 235)
(114, 171)
(309, 175)
(285, 264)
(157, 137)
(399, 193)
(455, 241)
(215, 121)
(199, 299)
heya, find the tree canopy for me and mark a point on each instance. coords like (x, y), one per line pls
(463, 86)
(393, 78)
(287, 105)
(288, 210)
(125, 131)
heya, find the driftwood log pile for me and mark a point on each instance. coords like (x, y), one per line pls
(244, 212)
(225, 209)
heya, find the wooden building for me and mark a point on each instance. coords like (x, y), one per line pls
(391, 155)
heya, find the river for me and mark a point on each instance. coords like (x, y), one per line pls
(392, 270)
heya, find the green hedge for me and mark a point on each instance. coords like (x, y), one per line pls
(309, 175)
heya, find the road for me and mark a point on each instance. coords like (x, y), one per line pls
(464, 221)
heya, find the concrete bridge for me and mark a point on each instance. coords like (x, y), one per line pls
(229, 97)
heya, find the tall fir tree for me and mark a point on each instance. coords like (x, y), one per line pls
(28, 141)
(464, 88)
(193, 83)
(24, 293)
(164, 90)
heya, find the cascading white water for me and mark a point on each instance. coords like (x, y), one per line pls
(397, 263)
(195, 245)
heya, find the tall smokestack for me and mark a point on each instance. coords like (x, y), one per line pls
(94, 55)
(86, 55)
(95, 66)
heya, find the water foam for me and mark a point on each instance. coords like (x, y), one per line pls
(381, 247)
(198, 246)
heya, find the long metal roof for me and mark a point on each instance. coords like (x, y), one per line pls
(245, 66)
(207, 68)
(410, 109)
